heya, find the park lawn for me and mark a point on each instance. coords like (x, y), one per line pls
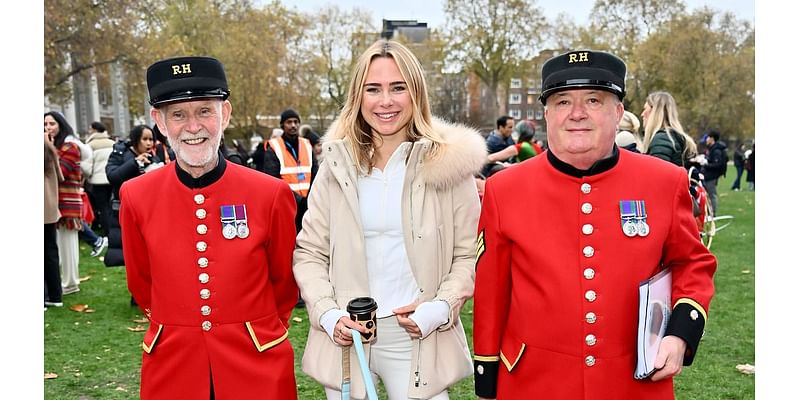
(97, 355)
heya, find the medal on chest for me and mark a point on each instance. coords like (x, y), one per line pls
(633, 217)
(234, 221)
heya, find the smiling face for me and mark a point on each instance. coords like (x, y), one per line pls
(194, 129)
(581, 125)
(386, 100)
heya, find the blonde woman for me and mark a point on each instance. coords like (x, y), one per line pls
(628, 133)
(664, 137)
(392, 216)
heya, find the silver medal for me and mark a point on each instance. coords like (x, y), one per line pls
(243, 231)
(229, 231)
(629, 228)
(642, 228)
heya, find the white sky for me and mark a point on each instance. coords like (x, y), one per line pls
(430, 11)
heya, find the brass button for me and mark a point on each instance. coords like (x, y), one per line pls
(201, 246)
(202, 229)
(591, 340)
(199, 199)
(586, 188)
(206, 326)
(202, 262)
(586, 208)
(205, 310)
(590, 295)
(588, 273)
(200, 213)
(203, 277)
(205, 294)
(588, 251)
(591, 317)
(587, 229)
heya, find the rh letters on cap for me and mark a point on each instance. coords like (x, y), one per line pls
(574, 57)
(181, 69)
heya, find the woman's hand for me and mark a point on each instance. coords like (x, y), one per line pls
(143, 159)
(407, 323)
(341, 331)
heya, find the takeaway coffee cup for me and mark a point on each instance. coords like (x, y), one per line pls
(363, 310)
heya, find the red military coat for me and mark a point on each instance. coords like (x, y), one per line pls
(556, 295)
(218, 307)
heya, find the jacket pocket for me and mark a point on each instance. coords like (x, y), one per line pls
(266, 332)
(151, 337)
(511, 350)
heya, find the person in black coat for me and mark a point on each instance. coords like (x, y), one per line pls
(715, 167)
(738, 162)
(128, 159)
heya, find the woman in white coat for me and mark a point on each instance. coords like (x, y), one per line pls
(392, 215)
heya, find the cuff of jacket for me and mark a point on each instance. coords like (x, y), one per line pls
(486, 368)
(687, 322)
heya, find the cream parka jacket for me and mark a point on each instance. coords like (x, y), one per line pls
(440, 208)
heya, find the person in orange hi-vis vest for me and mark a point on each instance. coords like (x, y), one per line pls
(291, 158)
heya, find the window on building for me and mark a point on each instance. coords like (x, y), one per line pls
(516, 83)
(515, 98)
(515, 113)
(539, 114)
(530, 113)
(531, 99)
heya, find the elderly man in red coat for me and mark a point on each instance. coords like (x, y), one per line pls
(208, 249)
(556, 303)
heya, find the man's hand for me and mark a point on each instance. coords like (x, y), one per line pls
(669, 360)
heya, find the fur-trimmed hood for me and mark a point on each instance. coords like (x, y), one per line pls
(464, 153)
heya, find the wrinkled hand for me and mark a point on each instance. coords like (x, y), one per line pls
(407, 323)
(669, 360)
(341, 331)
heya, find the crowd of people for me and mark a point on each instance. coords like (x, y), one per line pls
(396, 205)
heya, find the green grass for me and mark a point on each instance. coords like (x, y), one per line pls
(97, 357)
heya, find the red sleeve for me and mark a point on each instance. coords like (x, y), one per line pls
(693, 268)
(279, 252)
(492, 293)
(134, 250)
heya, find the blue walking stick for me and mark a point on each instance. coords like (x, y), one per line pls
(362, 362)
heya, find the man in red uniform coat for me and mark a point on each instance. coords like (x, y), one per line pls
(556, 303)
(208, 249)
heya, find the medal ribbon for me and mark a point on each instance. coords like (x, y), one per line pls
(240, 213)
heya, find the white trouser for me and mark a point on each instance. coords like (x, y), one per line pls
(390, 359)
(68, 256)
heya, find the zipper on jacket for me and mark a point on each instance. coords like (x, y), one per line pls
(419, 357)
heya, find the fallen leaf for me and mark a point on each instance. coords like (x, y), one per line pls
(89, 310)
(85, 278)
(142, 320)
(121, 389)
(50, 375)
(297, 319)
(79, 307)
(137, 328)
(746, 271)
(746, 369)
